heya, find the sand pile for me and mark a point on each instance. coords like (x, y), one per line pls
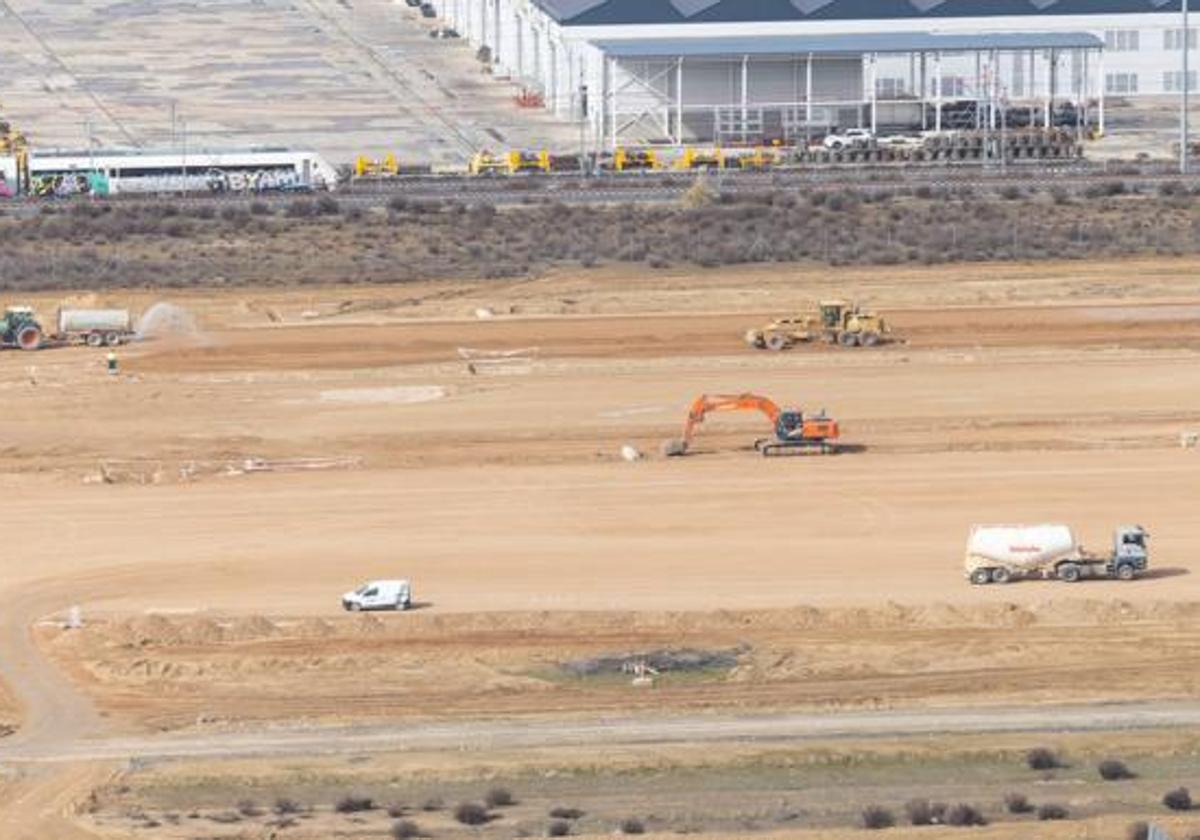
(369, 625)
(200, 631)
(249, 628)
(313, 628)
(151, 630)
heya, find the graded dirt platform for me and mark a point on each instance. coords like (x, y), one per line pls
(207, 507)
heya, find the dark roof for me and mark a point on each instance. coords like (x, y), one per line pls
(618, 12)
(882, 42)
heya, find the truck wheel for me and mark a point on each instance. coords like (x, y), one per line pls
(848, 339)
(981, 576)
(1126, 571)
(869, 339)
(29, 338)
(777, 342)
(1068, 572)
(94, 340)
(112, 339)
(1001, 575)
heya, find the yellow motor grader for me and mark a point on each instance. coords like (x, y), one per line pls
(837, 322)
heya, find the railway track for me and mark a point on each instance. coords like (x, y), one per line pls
(652, 188)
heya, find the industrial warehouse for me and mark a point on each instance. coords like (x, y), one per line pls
(704, 70)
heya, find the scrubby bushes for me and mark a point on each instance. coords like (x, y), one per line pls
(558, 828)
(1051, 811)
(964, 815)
(1178, 799)
(405, 829)
(876, 817)
(353, 803)
(1017, 803)
(1112, 770)
(1041, 758)
(472, 813)
(562, 813)
(924, 812)
(312, 238)
(632, 826)
(499, 797)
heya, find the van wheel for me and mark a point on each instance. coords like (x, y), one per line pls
(1001, 575)
(1125, 571)
(356, 608)
(981, 576)
(1068, 572)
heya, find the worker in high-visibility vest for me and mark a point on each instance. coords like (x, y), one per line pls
(112, 363)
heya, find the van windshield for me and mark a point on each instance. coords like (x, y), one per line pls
(362, 590)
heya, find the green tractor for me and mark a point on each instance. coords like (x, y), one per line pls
(19, 328)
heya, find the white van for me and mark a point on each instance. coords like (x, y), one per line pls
(379, 595)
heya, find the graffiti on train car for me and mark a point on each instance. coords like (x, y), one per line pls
(255, 181)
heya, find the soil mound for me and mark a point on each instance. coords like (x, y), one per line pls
(250, 628)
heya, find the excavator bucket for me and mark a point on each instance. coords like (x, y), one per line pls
(675, 447)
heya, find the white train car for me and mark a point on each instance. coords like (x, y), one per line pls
(108, 171)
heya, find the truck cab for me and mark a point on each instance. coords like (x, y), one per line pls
(1129, 554)
(379, 595)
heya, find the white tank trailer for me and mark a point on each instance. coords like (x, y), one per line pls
(1001, 553)
(95, 327)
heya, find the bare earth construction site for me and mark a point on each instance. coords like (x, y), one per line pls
(806, 616)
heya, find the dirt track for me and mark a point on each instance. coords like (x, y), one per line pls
(504, 491)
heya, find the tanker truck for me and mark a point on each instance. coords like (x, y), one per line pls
(1001, 553)
(94, 327)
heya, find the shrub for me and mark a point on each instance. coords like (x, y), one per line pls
(1178, 799)
(404, 829)
(351, 804)
(1041, 758)
(472, 813)
(499, 797)
(260, 208)
(327, 206)
(875, 817)
(923, 812)
(249, 808)
(1050, 811)
(1017, 803)
(1112, 770)
(962, 814)
(1138, 831)
(300, 209)
(433, 803)
(558, 828)
(283, 805)
(561, 813)
(396, 810)
(632, 826)
(1011, 192)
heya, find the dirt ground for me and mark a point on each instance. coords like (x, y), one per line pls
(207, 507)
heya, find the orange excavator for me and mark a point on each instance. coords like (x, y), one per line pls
(794, 433)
